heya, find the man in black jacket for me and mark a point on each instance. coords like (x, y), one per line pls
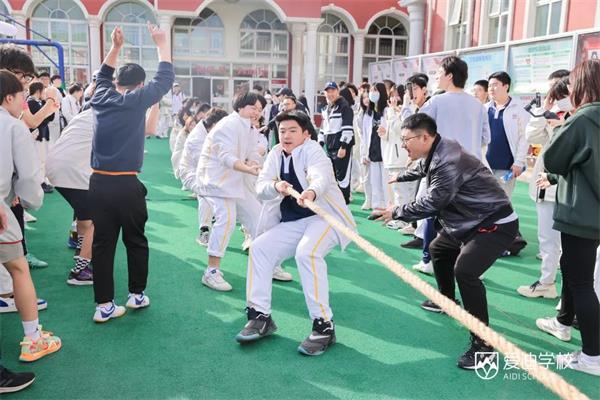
(337, 134)
(473, 216)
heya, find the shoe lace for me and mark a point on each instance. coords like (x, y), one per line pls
(535, 285)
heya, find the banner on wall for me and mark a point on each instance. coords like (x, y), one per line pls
(482, 64)
(379, 71)
(430, 66)
(530, 64)
(588, 47)
(404, 69)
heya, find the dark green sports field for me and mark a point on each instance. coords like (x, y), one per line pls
(183, 347)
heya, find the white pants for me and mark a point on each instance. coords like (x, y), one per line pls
(54, 128)
(204, 212)
(379, 187)
(402, 192)
(42, 151)
(308, 240)
(420, 232)
(6, 282)
(366, 183)
(549, 240)
(226, 212)
(509, 186)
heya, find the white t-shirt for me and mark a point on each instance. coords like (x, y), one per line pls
(68, 162)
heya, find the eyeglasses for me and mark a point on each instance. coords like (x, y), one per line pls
(404, 140)
(22, 75)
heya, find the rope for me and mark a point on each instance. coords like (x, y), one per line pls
(549, 379)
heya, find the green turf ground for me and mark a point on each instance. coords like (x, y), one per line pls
(182, 347)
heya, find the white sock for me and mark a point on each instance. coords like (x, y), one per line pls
(31, 329)
(106, 306)
(590, 359)
(211, 270)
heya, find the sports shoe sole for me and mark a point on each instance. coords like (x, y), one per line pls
(205, 283)
(253, 338)
(549, 332)
(76, 282)
(136, 307)
(544, 295)
(431, 309)
(305, 352)
(41, 354)
(280, 279)
(101, 321)
(16, 388)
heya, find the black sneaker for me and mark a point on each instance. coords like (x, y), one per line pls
(322, 336)
(11, 382)
(258, 326)
(416, 243)
(431, 306)
(470, 359)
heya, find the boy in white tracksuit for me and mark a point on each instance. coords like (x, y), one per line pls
(229, 152)
(188, 165)
(286, 228)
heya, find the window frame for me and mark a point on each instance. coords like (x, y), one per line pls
(376, 56)
(323, 76)
(255, 33)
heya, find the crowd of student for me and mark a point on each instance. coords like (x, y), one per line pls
(438, 166)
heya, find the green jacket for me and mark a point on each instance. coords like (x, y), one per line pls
(574, 154)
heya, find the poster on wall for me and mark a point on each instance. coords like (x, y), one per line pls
(430, 66)
(379, 71)
(404, 69)
(530, 64)
(588, 47)
(482, 64)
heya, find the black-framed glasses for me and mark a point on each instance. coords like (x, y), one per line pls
(404, 140)
(27, 77)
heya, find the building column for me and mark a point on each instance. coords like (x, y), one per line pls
(165, 23)
(416, 19)
(310, 64)
(297, 57)
(359, 51)
(19, 16)
(95, 43)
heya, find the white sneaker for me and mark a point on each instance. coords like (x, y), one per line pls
(28, 217)
(579, 362)
(203, 238)
(215, 281)
(8, 305)
(426, 268)
(135, 301)
(105, 313)
(280, 275)
(552, 326)
(538, 289)
(366, 206)
(408, 230)
(395, 224)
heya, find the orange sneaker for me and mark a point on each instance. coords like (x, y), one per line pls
(46, 344)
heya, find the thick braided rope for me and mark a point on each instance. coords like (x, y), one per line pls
(548, 378)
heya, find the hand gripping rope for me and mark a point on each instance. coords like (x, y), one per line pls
(548, 378)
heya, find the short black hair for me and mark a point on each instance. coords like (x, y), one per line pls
(419, 80)
(76, 87)
(15, 58)
(130, 75)
(296, 115)
(44, 74)
(352, 87)
(258, 88)
(502, 77)
(247, 99)
(214, 115)
(204, 107)
(55, 77)
(9, 84)
(420, 121)
(559, 73)
(35, 87)
(347, 95)
(559, 90)
(483, 83)
(420, 75)
(458, 68)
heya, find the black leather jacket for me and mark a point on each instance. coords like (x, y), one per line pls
(462, 192)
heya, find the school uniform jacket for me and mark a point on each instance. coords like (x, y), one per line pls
(191, 155)
(231, 140)
(313, 170)
(515, 120)
(20, 172)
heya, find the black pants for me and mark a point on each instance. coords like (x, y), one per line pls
(19, 213)
(342, 168)
(578, 297)
(468, 262)
(118, 202)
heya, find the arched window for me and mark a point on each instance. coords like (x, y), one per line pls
(385, 39)
(263, 35)
(139, 47)
(334, 50)
(202, 36)
(64, 22)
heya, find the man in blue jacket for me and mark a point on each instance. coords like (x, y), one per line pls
(117, 196)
